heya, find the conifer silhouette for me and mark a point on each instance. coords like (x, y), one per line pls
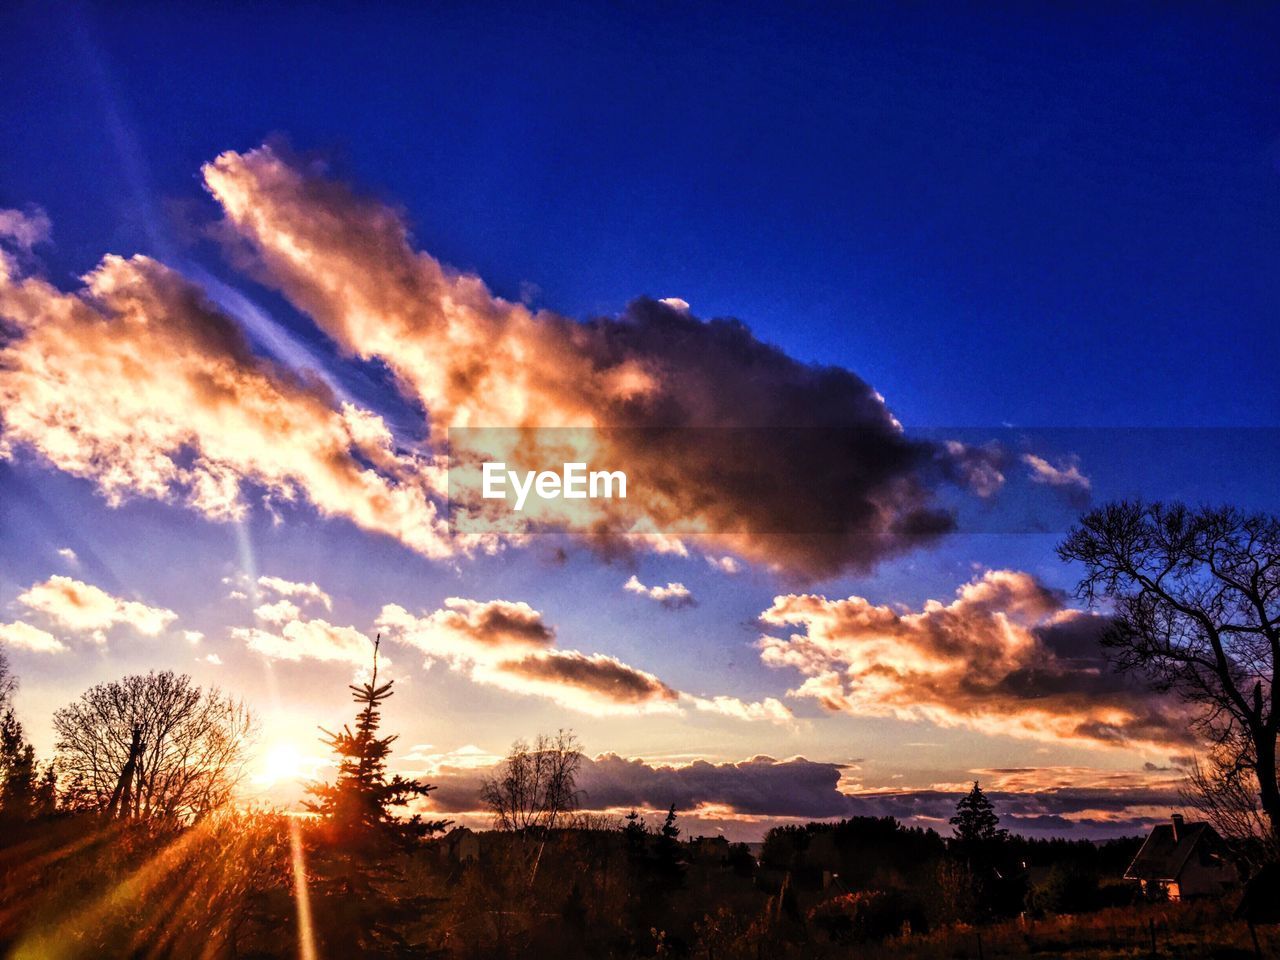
(357, 806)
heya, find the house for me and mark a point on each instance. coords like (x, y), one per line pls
(1184, 859)
(711, 849)
(460, 845)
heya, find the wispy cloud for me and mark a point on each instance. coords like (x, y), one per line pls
(290, 588)
(1065, 476)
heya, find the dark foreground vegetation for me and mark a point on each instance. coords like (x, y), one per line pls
(129, 844)
(123, 870)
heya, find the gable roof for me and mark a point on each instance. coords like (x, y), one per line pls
(1165, 853)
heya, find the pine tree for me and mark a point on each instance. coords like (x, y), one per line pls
(670, 867)
(357, 807)
(356, 871)
(635, 838)
(17, 771)
(976, 824)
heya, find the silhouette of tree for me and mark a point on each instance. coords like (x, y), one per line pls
(196, 744)
(975, 824)
(1196, 594)
(359, 805)
(535, 786)
(635, 838)
(669, 863)
(357, 876)
(18, 784)
(8, 683)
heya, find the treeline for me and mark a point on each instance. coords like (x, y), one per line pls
(128, 845)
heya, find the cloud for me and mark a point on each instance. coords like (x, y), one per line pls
(470, 630)
(69, 555)
(1064, 476)
(282, 611)
(23, 636)
(138, 383)
(725, 564)
(213, 659)
(24, 230)
(770, 708)
(747, 797)
(309, 640)
(84, 608)
(290, 588)
(674, 596)
(680, 390)
(509, 645)
(192, 637)
(1006, 656)
(590, 683)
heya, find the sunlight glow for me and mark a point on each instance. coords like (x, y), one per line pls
(306, 935)
(281, 763)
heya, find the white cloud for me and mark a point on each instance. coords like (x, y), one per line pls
(725, 564)
(23, 636)
(310, 640)
(282, 611)
(673, 596)
(1066, 473)
(85, 608)
(290, 588)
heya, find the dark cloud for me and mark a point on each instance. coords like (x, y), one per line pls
(778, 461)
(1006, 656)
(598, 675)
(760, 792)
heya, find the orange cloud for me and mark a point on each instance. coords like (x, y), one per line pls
(659, 373)
(1006, 656)
(509, 645)
(138, 383)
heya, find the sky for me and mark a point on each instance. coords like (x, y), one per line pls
(883, 297)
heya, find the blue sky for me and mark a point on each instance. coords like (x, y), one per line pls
(1004, 220)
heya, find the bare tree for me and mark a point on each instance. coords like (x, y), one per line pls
(535, 786)
(1223, 788)
(188, 752)
(1196, 596)
(8, 682)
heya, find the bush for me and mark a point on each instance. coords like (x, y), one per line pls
(865, 916)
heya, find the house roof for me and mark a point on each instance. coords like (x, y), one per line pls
(1165, 853)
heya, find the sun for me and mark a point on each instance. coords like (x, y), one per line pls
(282, 762)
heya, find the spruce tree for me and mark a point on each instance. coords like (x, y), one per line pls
(357, 806)
(976, 824)
(17, 771)
(356, 871)
(669, 863)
